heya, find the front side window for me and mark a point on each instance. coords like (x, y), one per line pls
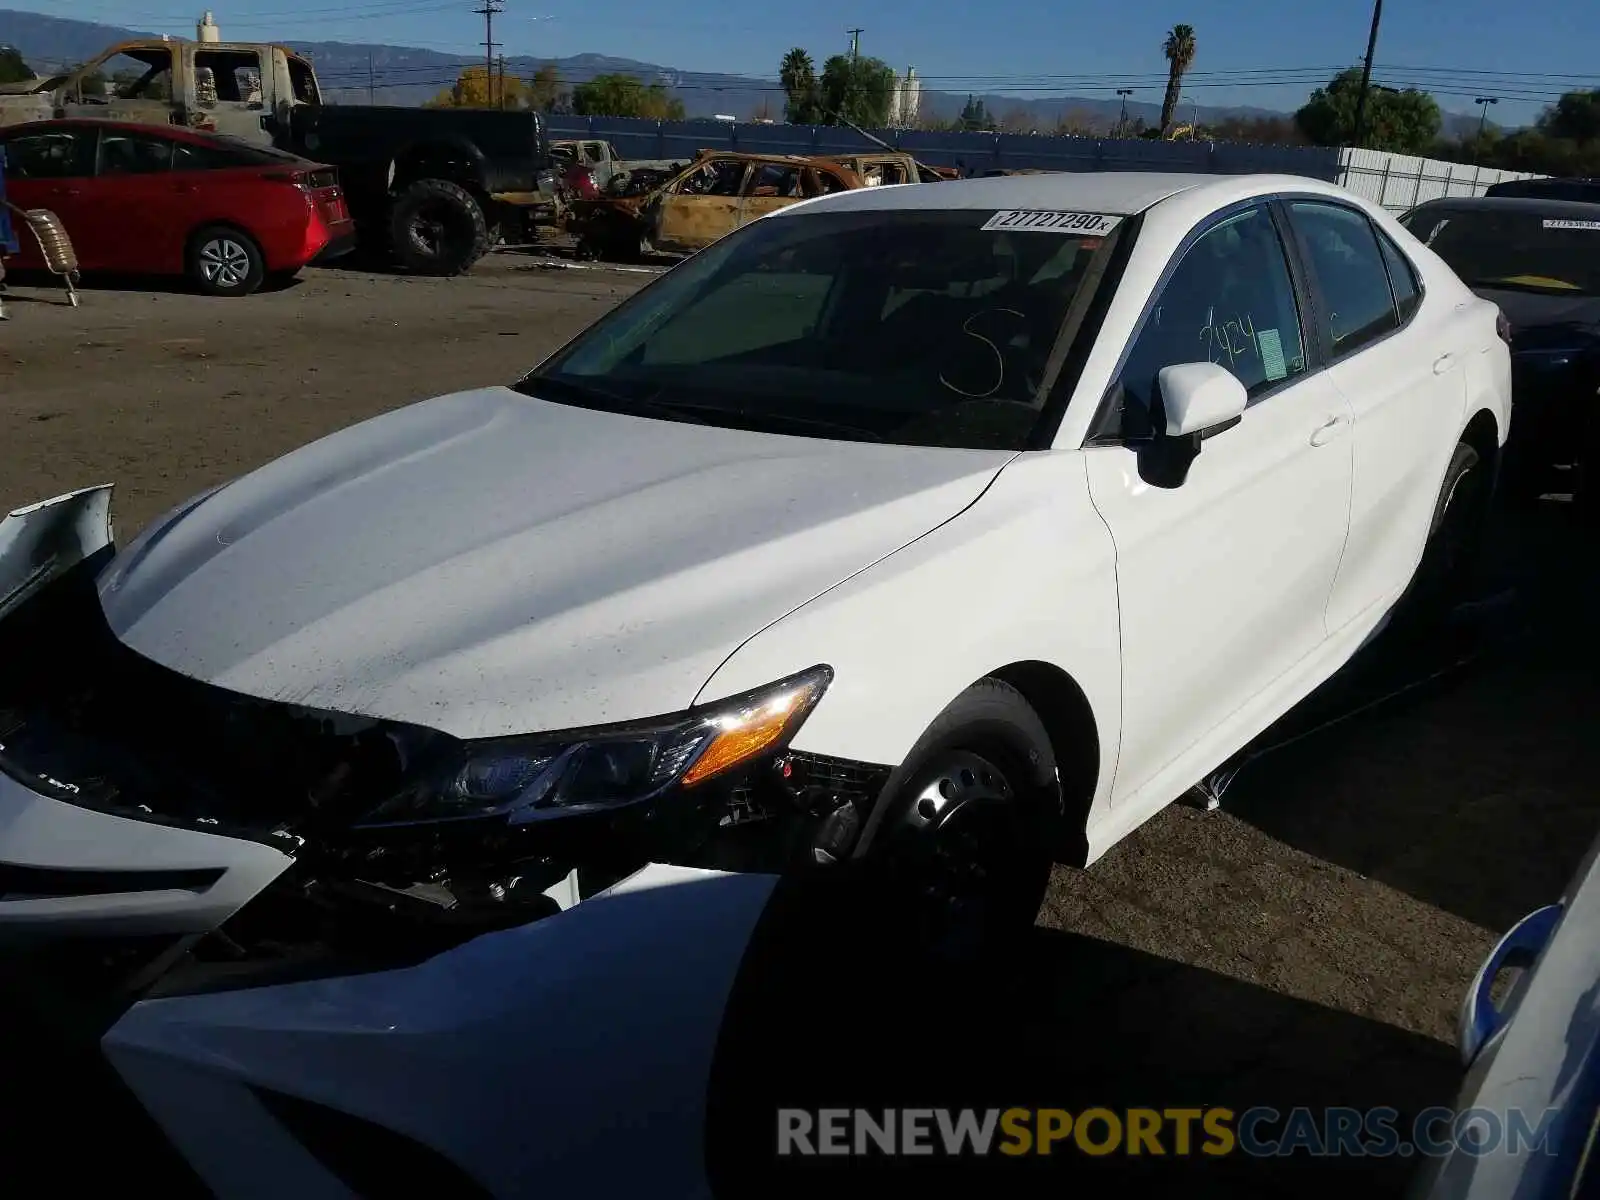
(1523, 248)
(1358, 307)
(774, 179)
(913, 327)
(59, 154)
(140, 74)
(1230, 301)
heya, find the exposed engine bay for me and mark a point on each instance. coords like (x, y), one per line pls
(88, 721)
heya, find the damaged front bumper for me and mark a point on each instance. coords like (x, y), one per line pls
(216, 831)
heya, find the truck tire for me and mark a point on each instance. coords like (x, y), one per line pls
(437, 228)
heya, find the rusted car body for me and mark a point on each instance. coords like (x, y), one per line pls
(882, 168)
(713, 196)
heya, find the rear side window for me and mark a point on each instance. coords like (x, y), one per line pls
(1402, 278)
(133, 154)
(57, 154)
(1357, 305)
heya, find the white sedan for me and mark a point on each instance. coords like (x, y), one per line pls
(925, 534)
(968, 524)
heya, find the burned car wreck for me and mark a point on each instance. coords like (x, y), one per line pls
(337, 843)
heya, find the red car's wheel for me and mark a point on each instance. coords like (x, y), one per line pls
(225, 262)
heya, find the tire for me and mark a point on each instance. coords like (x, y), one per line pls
(962, 847)
(437, 228)
(225, 262)
(1455, 538)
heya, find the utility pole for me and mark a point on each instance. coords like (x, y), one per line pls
(1366, 73)
(1122, 117)
(490, 10)
(855, 41)
(1483, 119)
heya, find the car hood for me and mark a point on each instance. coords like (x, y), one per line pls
(488, 563)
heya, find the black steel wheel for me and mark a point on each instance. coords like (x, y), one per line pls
(964, 844)
(437, 228)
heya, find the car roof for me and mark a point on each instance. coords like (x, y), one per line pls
(174, 132)
(1117, 193)
(1527, 204)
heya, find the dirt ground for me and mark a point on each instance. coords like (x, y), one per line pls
(1312, 939)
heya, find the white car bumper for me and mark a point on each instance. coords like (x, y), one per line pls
(570, 1056)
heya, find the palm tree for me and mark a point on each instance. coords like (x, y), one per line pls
(798, 77)
(1179, 51)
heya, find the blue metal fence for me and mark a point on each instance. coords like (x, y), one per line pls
(977, 151)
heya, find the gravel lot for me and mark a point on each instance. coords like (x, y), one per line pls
(1307, 944)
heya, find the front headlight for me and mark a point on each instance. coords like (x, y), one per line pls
(547, 775)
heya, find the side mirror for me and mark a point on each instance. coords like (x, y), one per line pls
(1200, 398)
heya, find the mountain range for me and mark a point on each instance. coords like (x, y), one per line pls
(359, 73)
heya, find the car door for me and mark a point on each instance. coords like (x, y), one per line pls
(1395, 357)
(229, 94)
(139, 203)
(700, 206)
(769, 187)
(1222, 580)
(52, 169)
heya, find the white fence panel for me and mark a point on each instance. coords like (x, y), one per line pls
(1402, 181)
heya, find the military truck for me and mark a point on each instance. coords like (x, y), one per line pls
(433, 188)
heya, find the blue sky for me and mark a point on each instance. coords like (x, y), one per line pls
(1250, 51)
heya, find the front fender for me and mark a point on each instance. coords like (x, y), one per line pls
(44, 540)
(1026, 574)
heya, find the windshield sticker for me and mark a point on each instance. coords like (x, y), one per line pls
(1270, 343)
(1552, 224)
(1084, 224)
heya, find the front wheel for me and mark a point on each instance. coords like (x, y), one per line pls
(964, 841)
(225, 262)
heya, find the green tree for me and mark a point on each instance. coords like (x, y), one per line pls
(625, 96)
(1575, 117)
(1178, 49)
(545, 92)
(860, 90)
(12, 68)
(798, 76)
(975, 116)
(1403, 122)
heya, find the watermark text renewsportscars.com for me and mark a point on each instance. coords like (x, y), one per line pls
(1151, 1132)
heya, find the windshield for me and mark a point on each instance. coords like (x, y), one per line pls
(915, 327)
(1532, 250)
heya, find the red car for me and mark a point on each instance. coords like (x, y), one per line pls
(160, 200)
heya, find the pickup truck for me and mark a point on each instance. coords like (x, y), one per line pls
(432, 187)
(591, 167)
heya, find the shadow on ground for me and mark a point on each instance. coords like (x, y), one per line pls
(822, 1017)
(1477, 792)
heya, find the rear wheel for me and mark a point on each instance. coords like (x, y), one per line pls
(225, 262)
(964, 843)
(437, 228)
(1455, 537)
